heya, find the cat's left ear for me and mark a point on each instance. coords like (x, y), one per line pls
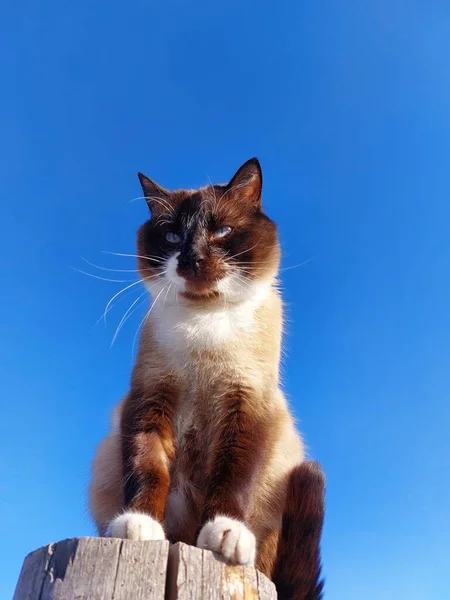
(157, 197)
(247, 182)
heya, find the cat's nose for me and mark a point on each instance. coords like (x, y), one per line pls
(196, 263)
(190, 262)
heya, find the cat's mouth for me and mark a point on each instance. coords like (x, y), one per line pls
(199, 290)
(200, 296)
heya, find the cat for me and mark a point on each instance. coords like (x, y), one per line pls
(203, 448)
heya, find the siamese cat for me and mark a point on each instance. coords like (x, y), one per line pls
(203, 448)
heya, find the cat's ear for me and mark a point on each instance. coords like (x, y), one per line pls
(158, 198)
(247, 182)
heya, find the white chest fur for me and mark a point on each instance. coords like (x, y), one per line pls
(183, 327)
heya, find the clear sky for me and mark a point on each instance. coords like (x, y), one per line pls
(347, 105)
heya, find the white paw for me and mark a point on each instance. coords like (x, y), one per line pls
(135, 526)
(230, 538)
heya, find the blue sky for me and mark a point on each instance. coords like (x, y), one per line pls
(347, 105)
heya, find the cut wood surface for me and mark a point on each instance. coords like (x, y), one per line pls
(113, 569)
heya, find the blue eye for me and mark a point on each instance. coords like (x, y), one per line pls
(222, 232)
(172, 237)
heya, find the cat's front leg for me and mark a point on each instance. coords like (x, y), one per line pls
(236, 459)
(148, 450)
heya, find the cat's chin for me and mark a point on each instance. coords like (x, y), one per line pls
(203, 296)
(200, 290)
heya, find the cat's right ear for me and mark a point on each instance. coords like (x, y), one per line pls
(158, 198)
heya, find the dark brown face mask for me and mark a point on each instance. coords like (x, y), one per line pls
(197, 239)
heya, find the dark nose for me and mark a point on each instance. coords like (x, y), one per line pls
(190, 262)
(197, 263)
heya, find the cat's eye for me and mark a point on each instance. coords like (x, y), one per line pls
(222, 232)
(172, 238)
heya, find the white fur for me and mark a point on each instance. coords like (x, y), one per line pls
(135, 526)
(172, 275)
(183, 325)
(229, 537)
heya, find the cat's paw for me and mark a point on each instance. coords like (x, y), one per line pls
(229, 537)
(135, 526)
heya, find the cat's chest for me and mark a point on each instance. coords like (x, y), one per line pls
(183, 331)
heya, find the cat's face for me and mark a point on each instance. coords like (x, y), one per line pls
(208, 244)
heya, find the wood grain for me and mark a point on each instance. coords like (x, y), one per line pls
(195, 574)
(32, 575)
(141, 574)
(113, 569)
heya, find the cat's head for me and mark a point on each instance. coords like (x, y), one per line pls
(210, 244)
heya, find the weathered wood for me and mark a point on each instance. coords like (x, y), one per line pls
(95, 569)
(142, 571)
(212, 573)
(81, 569)
(113, 569)
(33, 573)
(266, 588)
(196, 574)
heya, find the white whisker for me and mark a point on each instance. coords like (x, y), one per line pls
(115, 296)
(165, 204)
(102, 278)
(134, 256)
(305, 262)
(165, 297)
(126, 288)
(107, 269)
(103, 315)
(250, 262)
(238, 186)
(145, 318)
(243, 284)
(137, 198)
(243, 251)
(128, 313)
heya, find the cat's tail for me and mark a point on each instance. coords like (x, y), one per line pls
(297, 572)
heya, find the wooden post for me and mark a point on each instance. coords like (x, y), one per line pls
(113, 569)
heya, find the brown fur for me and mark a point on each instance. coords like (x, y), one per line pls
(205, 429)
(297, 570)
